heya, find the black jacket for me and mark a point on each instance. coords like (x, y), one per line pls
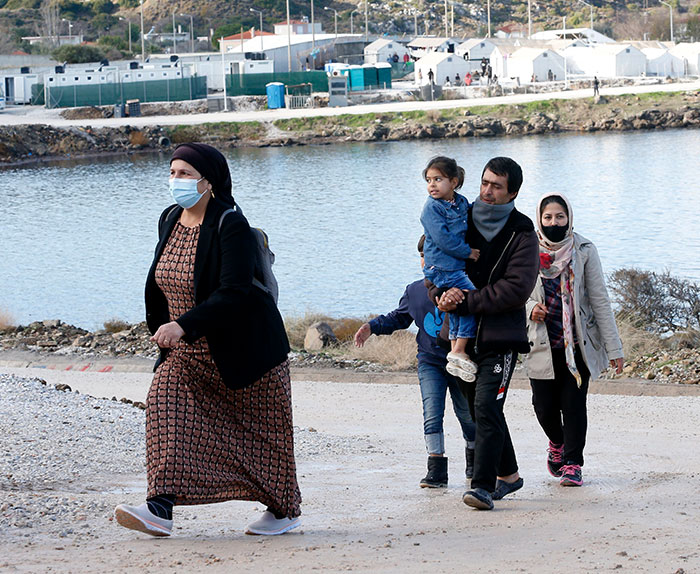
(241, 322)
(504, 277)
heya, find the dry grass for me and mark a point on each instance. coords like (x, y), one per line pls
(116, 325)
(635, 341)
(138, 139)
(396, 351)
(344, 329)
(7, 321)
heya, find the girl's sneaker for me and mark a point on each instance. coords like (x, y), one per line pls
(142, 519)
(554, 459)
(455, 371)
(268, 525)
(571, 475)
(463, 362)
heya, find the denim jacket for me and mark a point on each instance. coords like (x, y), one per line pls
(445, 226)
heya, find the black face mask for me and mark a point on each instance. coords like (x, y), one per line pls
(555, 233)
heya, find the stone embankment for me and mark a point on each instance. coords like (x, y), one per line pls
(673, 366)
(25, 143)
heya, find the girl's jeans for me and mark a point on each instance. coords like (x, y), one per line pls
(434, 383)
(461, 326)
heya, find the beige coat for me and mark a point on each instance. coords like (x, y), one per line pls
(596, 331)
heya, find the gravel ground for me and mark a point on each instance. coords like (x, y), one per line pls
(360, 456)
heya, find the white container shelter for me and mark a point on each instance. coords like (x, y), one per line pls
(525, 63)
(660, 62)
(690, 53)
(606, 60)
(383, 50)
(444, 65)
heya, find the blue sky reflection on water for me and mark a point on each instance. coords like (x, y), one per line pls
(77, 238)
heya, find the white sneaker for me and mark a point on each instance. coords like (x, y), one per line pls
(268, 525)
(142, 519)
(455, 371)
(463, 362)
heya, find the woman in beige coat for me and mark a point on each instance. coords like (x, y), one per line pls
(572, 334)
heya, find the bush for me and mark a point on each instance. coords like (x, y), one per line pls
(6, 320)
(656, 302)
(116, 326)
(73, 54)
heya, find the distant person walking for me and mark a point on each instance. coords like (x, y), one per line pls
(435, 381)
(596, 86)
(431, 76)
(572, 335)
(219, 414)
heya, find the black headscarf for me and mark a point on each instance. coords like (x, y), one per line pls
(211, 163)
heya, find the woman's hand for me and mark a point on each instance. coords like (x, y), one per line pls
(539, 312)
(617, 364)
(168, 335)
(474, 255)
(450, 299)
(362, 334)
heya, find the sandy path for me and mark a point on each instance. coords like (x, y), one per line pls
(363, 510)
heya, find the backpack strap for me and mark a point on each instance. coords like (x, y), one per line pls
(233, 209)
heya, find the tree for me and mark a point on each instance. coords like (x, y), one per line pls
(77, 54)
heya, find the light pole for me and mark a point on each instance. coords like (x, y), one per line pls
(70, 27)
(670, 11)
(174, 37)
(289, 40)
(261, 38)
(191, 31)
(447, 32)
(352, 29)
(313, 28)
(529, 19)
(591, 7)
(143, 40)
(366, 19)
(488, 17)
(129, 23)
(335, 19)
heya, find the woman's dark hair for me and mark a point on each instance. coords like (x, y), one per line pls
(447, 167)
(504, 166)
(421, 243)
(558, 199)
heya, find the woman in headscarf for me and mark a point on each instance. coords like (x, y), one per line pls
(573, 335)
(219, 413)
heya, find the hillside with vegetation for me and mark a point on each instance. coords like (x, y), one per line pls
(107, 22)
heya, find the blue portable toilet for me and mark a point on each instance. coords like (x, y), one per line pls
(369, 73)
(357, 78)
(384, 75)
(275, 95)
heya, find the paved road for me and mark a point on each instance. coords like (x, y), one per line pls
(34, 115)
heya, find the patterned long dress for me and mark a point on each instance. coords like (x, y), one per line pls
(205, 442)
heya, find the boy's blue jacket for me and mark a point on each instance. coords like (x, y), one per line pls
(415, 306)
(445, 227)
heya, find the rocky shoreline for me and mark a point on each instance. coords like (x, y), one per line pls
(679, 366)
(31, 143)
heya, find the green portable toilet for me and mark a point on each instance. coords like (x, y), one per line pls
(370, 76)
(357, 78)
(384, 75)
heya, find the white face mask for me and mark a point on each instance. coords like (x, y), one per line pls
(184, 191)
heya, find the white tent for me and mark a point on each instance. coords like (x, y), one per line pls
(538, 62)
(605, 60)
(382, 50)
(660, 62)
(690, 53)
(475, 49)
(443, 66)
(573, 33)
(423, 45)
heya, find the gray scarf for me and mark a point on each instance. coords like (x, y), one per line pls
(490, 219)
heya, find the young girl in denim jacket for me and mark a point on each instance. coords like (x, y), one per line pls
(444, 219)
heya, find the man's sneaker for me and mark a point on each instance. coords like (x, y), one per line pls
(268, 525)
(554, 458)
(142, 519)
(469, 455)
(478, 498)
(437, 473)
(455, 371)
(504, 488)
(463, 362)
(571, 475)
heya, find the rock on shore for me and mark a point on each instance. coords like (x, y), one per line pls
(34, 142)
